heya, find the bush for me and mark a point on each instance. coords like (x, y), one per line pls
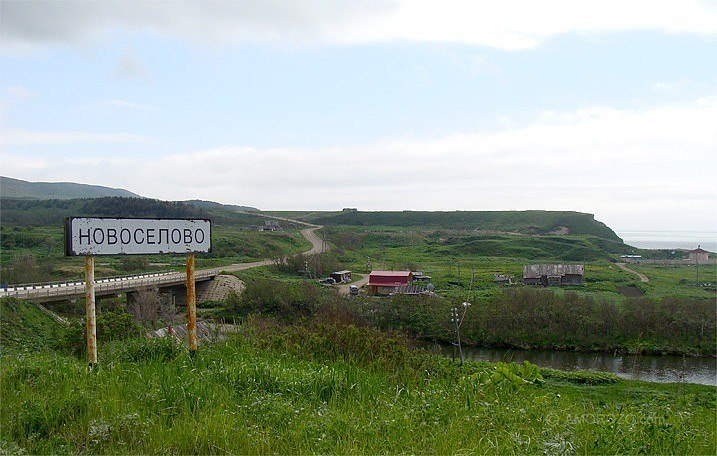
(117, 325)
(131, 263)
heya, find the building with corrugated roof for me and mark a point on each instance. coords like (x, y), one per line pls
(553, 274)
(383, 283)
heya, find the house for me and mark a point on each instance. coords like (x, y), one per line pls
(631, 258)
(383, 283)
(699, 255)
(341, 276)
(553, 274)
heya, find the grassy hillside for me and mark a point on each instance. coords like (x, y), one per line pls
(330, 389)
(25, 328)
(32, 237)
(523, 222)
(16, 188)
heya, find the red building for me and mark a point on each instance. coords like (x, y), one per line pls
(383, 283)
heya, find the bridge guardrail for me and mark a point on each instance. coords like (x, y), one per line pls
(119, 284)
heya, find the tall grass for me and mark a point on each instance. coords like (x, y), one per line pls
(330, 389)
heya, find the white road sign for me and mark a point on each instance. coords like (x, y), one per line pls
(133, 236)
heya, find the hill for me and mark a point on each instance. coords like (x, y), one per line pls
(215, 205)
(522, 222)
(16, 188)
(25, 327)
(33, 212)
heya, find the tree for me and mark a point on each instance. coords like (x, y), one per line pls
(143, 305)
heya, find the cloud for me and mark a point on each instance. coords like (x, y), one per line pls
(19, 137)
(648, 168)
(130, 67)
(129, 105)
(18, 93)
(509, 24)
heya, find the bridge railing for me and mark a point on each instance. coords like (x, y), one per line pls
(103, 285)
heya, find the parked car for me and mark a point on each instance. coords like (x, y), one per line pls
(353, 289)
(329, 281)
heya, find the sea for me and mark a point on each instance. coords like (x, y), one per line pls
(670, 239)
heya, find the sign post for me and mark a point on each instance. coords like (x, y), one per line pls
(134, 236)
(191, 307)
(91, 325)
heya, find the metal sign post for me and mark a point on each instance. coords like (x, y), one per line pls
(90, 236)
(91, 325)
(191, 307)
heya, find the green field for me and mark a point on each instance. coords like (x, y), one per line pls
(451, 259)
(319, 388)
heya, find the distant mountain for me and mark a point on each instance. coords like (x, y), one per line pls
(213, 205)
(16, 188)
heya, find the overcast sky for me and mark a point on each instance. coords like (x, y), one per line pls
(606, 107)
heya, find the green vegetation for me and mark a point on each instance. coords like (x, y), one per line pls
(333, 388)
(16, 188)
(519, 318)
(24, 327)
(451, 258)
(33, 245)
(523, 222)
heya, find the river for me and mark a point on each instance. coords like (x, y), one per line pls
(651, 368)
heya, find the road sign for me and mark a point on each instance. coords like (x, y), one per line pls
(136, 236)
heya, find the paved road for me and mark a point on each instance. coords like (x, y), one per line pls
(67, 290)
(643, 277)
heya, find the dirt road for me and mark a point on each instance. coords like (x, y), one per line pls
(308, 233)
(344, 288)
(643, 277)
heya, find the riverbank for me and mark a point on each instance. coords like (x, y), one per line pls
(650, 368)
(334, 388)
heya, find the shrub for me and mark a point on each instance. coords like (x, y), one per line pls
(117, 325)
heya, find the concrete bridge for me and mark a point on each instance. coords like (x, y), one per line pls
(106, 287)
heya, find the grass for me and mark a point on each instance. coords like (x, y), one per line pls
(25, 328)
(448, 258)
(230, 245)
(304, 389)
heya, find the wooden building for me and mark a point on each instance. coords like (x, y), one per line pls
(553, 274)
(341, 276)
(383, 283)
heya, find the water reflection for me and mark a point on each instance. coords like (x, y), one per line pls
(662, 369)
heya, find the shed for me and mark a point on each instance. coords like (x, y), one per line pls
(341, 276)
(553, 274)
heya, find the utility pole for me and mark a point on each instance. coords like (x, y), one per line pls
(473, 284)
(697, 253)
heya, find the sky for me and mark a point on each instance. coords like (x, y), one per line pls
(606, 107)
